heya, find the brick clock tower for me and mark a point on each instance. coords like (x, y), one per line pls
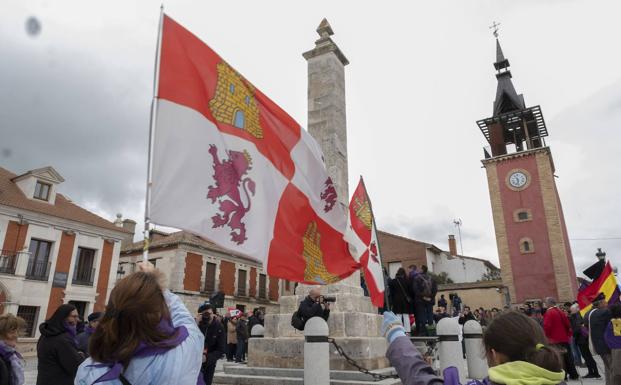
(533, 246)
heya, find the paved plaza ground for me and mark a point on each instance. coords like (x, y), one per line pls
(31, 372)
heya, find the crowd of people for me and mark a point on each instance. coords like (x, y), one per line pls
(146, 335)
(533, 344)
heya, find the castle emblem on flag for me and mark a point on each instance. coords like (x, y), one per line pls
(363, 211)
(328, 195)
(230, 183)
(234, 102)
(315, 270)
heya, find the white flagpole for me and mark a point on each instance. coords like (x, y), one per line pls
(156, 77)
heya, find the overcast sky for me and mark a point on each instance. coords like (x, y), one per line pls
(76, 96)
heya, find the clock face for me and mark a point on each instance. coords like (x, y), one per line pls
(518, 179)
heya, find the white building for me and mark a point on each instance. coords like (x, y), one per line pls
(53, 251)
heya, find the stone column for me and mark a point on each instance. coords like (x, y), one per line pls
(327, 116)
(353, 321)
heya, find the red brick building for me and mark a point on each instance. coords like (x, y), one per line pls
(197, 268)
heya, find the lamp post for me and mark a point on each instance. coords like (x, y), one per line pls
(120, 272)
(601, 255)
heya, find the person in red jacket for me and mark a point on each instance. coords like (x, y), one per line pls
(558, 331)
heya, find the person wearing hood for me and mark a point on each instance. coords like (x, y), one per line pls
(146, 336)
(84, 337)
(57, 349)
(516, 348)
(11, 362)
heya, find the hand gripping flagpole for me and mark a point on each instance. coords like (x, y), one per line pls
(379, 250)
(153, 119)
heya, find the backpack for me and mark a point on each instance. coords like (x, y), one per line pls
(297, 321)
(426, 285)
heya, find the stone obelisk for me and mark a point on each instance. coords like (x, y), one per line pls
(353, 322)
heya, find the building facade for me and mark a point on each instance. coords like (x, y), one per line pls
(53, 251)
(196, 269)
(398, 251)
(531, 236)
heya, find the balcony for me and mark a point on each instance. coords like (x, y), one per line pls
(38, 270)
(8, 261)
(83, 277)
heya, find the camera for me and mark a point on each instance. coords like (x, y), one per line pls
(324, 299)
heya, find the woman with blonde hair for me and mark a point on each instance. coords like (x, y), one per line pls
(11, 362)
(146, 336)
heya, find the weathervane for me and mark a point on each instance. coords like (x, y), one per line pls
(495, 26)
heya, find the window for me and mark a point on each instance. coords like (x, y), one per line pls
(240, 119)
(232, 88)
(210, 277)
(42, 191)
(80, 307)
(527, 246)
(84, 272)
(247, 100)
(522, 215)
(262, 286)
(29, 314)
(38, 262)
(241, 283)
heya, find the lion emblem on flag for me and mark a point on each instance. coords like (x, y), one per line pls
(328, 195)
(231, 180)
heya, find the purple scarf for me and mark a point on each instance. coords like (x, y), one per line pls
(72, 332)
(12, 356)
(144, 350)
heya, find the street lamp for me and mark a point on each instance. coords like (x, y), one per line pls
(600, 254)
(120, 272)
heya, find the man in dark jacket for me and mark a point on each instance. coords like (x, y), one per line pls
(214, 341)
(597, 320)
(255, 319)
(242, 337)
(57, 350)
(582, 340)
(85, 336)
(312, 306)
(425, 290)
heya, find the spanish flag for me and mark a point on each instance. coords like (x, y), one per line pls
(605, 283)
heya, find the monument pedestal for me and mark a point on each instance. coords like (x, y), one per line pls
(353, 323)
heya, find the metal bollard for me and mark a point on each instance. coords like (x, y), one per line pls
(475, 352)
(316, 352)
(450, 348)
(257, 331)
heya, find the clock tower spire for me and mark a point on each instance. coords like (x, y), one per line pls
(531, 236)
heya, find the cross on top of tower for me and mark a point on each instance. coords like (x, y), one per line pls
(494, 27)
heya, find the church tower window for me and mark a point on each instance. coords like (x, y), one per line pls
(527, 246)
(232, 88)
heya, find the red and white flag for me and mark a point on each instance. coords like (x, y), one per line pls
(362, 235)
(233, 167)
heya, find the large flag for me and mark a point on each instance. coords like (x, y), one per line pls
(605, 283)
(233, 167)
(362, 235)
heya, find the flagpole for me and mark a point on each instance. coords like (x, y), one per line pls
(153, 119)
(379, 250)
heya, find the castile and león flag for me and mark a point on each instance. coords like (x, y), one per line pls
(230, 165)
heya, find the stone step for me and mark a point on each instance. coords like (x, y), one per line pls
(345, 375)
(240, 379)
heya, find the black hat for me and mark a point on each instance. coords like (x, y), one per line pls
(94, 316)
(600, 297)
(206, 305)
